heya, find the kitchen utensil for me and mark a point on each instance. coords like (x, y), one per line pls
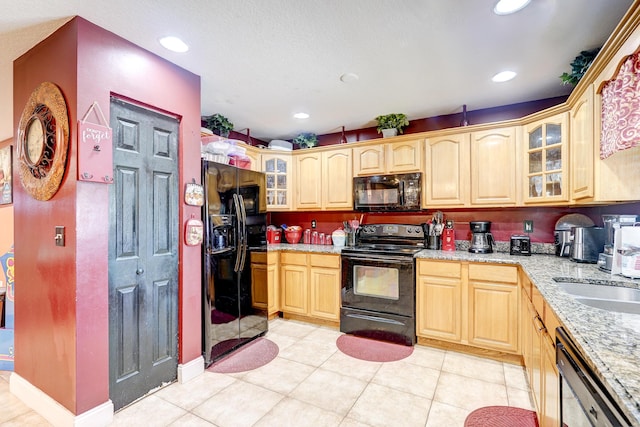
(293, 234)
(562, 232)
(520, 245)
(481, 239)
(587, 243)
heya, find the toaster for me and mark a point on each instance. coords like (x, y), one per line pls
(520, 245)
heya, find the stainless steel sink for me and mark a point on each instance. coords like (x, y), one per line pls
(611, 298)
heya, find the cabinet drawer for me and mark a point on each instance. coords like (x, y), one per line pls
(328, 261)
(440, 269)
(259, 257)
(494, 273)
(293, 258)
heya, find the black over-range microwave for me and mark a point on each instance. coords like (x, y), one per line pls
(387, 192)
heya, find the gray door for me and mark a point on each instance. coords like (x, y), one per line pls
(143, 253)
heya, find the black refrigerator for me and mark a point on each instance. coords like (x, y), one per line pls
(234, 216)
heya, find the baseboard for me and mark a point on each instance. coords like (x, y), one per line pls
(190, 370)
(54, 412)
(515, 359)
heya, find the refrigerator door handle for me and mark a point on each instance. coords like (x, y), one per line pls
(239, 234)
(244, 232)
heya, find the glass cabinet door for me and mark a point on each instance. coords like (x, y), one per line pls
(276, 169)
(546, 159)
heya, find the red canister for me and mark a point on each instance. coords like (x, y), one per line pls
(274, 235)
(306, 238)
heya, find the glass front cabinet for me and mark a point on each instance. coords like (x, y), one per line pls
(277, 168)
(546, 160)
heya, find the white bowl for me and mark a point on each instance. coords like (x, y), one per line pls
(338, 240)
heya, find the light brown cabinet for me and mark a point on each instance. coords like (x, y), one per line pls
(254, 155)
(538, 349)
(404, 156)
(546, 160)
(310, 285)
(279, 175)
(264, 268)
(447, 178)
(324, 180)
(493, 307)
(468, 303)
(494, 167)
(581, 147)
(439, 300)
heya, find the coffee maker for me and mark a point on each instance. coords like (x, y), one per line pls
(611, 224)
(481, 239)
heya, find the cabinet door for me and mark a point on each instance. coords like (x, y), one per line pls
(259, 286)
(546, 160)
(582, 153)
(254, 154)
(404, 156)
(447, 171)
(493, 167)
(337, 179)
(368, 160)
(277, 168)
(273, 305)
(439, 300)
(293, 279)
(308, 181)
(325, 293)
(493, 307)
(439, 308)
(550, 385)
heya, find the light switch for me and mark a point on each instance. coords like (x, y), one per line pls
(59, 235)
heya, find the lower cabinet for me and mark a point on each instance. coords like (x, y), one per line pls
(493, 307)
(264, 267)
(539, 354)
(310, 286)
(467, 303)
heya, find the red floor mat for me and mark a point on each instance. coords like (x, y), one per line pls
(372, 350)
(501, 416)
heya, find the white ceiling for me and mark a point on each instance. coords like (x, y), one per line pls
(262, 60)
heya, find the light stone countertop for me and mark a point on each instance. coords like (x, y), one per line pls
(610, 341)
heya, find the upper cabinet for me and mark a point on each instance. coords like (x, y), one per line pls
(254, 154)
(388, 158)
(494, 167)
(546, 160)
(446, 178)
(323, 179)
(278, 170)
(581, 147)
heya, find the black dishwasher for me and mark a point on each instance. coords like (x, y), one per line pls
(584, 400)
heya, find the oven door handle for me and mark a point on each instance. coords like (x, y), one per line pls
(378, 258)
(374, 318)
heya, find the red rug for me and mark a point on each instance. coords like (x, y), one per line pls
(372, 350)
(251, 356)
(501, 416)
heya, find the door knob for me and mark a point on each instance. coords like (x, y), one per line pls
(139, 271)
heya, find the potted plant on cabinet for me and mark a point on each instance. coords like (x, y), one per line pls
(218, 124)
(579, 66)
(392, 124)
(306, 140)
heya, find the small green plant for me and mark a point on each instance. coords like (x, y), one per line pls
(218, 124)
(392, 121)
(579, 66)
(306, 140)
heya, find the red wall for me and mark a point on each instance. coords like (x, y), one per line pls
(504, 221)
(61, 338)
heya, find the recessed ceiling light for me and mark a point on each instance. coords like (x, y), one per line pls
(174, 44)
(503, 76)
(349, 77)
(505, 7)
(301, 115)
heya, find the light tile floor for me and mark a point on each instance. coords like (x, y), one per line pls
(312, 383)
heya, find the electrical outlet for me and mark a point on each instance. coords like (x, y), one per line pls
(528, 226)
(313, 223)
